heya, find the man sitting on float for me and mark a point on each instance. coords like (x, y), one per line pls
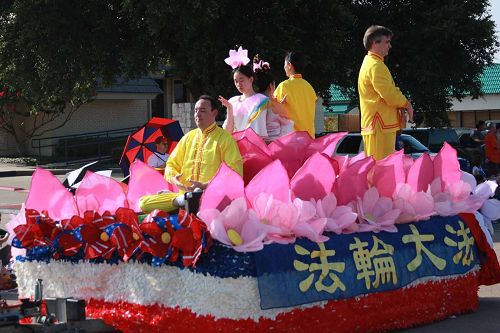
(196, 158)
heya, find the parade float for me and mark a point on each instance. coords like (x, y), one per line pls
(302, 242)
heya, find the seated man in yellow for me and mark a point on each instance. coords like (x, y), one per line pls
(196, 158)
(297, 95)
(379, 98)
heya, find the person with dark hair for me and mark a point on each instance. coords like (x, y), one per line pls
(477, 137)
(297, 95)
(250, 109)
(380, 100)
(160, 156)
(278, 122)
(196, 158)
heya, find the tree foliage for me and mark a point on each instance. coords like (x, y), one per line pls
(439, 49)
(54, 52)
(197, 35)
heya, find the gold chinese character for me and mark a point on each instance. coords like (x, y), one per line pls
(464, 246)
(376, 262)
(418, 239)
(326, 269)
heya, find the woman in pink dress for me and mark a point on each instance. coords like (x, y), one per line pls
(250, 109)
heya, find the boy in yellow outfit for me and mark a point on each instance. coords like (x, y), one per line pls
(297, 95)
(196, 158)
(379, 98)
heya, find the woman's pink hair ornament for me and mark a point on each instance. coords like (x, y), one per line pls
(237, 58)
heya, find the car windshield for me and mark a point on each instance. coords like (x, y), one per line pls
(414, 144)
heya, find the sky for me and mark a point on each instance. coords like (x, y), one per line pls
(495, 13)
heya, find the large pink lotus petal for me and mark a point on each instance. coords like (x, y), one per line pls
(14, 221)
(144, 180)
(326, 206)
(252, 141)
(226, 186)
(107, 193)
(342, 161)
(254, 152)
(312, 230)
(291, 150)
(208, 215)
(382, 206)
(253, 234)
(273, 179)
(218, 231)
(388, 172)
(370, 199)
(233, 214)
(421, 173)
(352, 183)
(446, 165)
(47, 193)
(306, 209)
(325, 144)
(423, 204)
(314, 179)
(359, 157)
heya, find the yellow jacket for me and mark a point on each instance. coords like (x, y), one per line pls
(379, 98)
(199, 154)
(300, 100)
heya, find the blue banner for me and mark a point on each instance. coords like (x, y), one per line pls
(355, 264)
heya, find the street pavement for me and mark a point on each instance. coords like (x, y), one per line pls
(15, 179)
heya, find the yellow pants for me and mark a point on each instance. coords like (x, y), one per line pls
(379, 145)
(163, 201)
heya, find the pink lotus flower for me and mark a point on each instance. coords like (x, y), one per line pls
(289, 219)
(339, 219)
(375, 213)
(414, 206)
(292, 150)
(236, 226)
(454, 199)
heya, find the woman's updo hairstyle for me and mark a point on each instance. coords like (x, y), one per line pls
(263, 75)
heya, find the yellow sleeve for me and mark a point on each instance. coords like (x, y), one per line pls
(383, 84)
(231, 154)
(279, 93)
(176, 159)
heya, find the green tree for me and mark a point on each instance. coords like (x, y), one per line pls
(439, 49)
(197, 35)
(54, 52)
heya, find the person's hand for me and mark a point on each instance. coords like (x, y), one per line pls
(278, 107)
(409, 109)
(196, 184)
(176, 181)
(225, 103)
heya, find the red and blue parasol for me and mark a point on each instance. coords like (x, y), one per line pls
(141, 144)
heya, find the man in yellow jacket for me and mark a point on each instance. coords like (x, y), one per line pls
(196, 158)
(379, 99)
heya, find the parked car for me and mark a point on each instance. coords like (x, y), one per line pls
(352, 145)
(434, 138)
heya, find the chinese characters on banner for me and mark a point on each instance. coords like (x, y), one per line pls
(350, 265)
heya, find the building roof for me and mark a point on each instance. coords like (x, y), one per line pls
(339, 102)
(144, 85)
(490, 79)
(337, 94)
